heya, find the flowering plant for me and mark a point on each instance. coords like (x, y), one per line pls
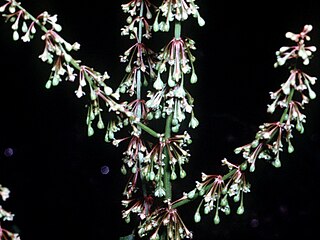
(152, 111)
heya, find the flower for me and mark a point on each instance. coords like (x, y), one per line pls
(176, 9)
(298, 51)
(167, 217)
(4, 192)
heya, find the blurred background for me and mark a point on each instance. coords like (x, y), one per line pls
(66, 185)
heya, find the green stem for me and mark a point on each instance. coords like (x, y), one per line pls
(167, 171)
(167, 135)
(138, 89)
(177, 29)
(287, 108)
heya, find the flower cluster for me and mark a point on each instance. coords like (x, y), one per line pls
(167, 217)
(171, 97)
(156, 85)
(176, 10)
(155, 163)
(145, 62)
(57, 52)
(141, 207)
(216, 189)
(6, 216)
(298, 51)
(269, 139)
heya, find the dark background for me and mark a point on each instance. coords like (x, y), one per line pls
(57, 188)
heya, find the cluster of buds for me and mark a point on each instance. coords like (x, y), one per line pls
(165, 73)
(145, 63)
(179, 10)
(153, 162)
(141, 207)
(57, 52)
(6, 216)
(168, 218)
(269, 139)
(215, 190)
(139, 58)
(134, 19)
(171, 97)
(298, 51)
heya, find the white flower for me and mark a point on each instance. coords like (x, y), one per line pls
(4, 192)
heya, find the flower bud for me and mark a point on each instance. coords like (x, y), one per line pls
(173, 175)
(206, 209)
(90, 131)
(197, 217)
(183, 173)
(15, 36)
(240, 210)
(191, 194)
(216, 219)
(290, 148)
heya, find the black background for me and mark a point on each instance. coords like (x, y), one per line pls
(57, 189)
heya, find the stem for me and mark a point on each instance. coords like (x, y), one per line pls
(138, 89)
(286, 110)
(177, 29)
(43, 28)
(167, 135)
(167, 171)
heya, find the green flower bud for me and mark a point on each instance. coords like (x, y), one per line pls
(157, 114)
(276, 163)
(48, 84)
(55, 80)
(240, 210)
(202, 192)
(150, 116)
(67, 57)
(100, 124)
(227, 210)
(206, 209)
(224, 190)
(173, 175)
(183, 173)
(174, 121)
(151, 175)
(236, 198)
(107, 90)
(90, 131)
(194, 78)
(201, 21)
(24, 27)
(15, 36)
(156, 25)
(290, 148)
(216, 219)
(175, 128)
(127, 219)
(243, 166)
(252, 167)
(123, 170)
(129, 19)
(224, 201)
(300, 127)
(197, 217)
(192, 193)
